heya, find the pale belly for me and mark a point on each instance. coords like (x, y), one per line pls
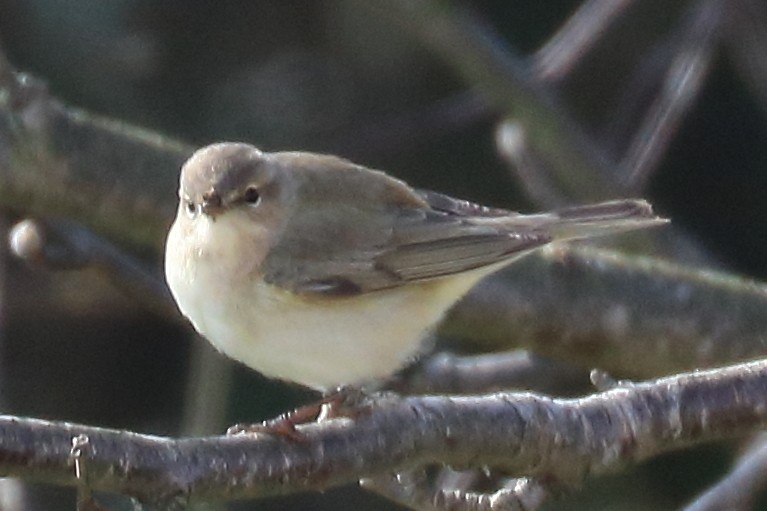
(324, 342)
(320, 341)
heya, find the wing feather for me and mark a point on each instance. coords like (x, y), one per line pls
(414, 243)
(368, 231)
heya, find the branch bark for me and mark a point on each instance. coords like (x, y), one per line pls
(522, 434)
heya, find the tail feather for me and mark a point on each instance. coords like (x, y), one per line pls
(596, 219)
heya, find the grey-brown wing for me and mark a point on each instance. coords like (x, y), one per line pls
(422, 260)
(421, 244)
(368, 231)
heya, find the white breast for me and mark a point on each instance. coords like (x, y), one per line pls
(321, 342)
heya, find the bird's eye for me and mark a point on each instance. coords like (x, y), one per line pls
(191, 208)
(251, 196)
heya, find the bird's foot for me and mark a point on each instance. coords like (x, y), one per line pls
(284, 425)
(344, 402)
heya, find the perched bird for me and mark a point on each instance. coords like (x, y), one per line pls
(312, 269)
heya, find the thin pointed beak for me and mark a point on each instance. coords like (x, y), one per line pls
(212, 205)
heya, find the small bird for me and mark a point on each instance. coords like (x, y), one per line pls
(313, 269)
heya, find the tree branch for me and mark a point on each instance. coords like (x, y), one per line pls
(522, 434)
(413, 489)
(446, 373)
(65, 245)
(57, 161)
(738, 489)
(684, 78)
(574, 167)
(631, 316)
(556, 59)
(480, 55)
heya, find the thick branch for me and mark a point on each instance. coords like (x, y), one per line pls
(59, 161)
(634, 317)
(523, 434)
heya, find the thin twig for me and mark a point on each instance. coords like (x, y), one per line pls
(208, 385)
(738, 489)
(524, 495)
(585, 27)
(477, 52)
(412, 489)
(531, 168)
(13, 493)
(684, 80)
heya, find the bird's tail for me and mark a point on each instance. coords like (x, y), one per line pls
(594, 219)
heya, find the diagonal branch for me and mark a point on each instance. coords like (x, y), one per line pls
(553, 61)
(60, 161)
(737, 490)
(683, 81)
(478, 53)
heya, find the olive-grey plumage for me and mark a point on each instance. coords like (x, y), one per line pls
(266, 242)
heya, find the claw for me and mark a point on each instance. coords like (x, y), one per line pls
(344, 402)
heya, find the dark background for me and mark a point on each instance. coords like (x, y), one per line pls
(331, 76)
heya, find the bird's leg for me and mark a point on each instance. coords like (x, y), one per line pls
(284, 425)
(342, 402)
